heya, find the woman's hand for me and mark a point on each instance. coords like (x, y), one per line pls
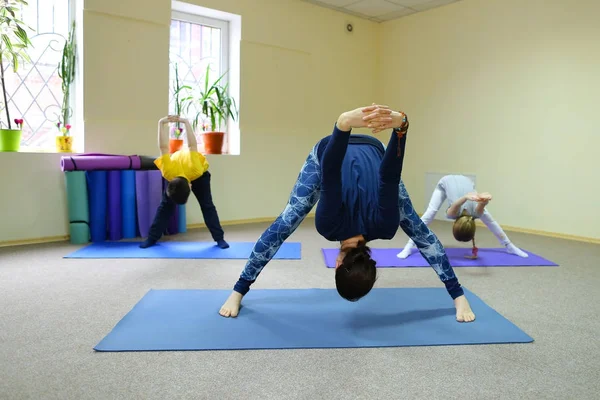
(473, 196)
(484, 197)
(382, 118)
(170, 118)
(354, 118)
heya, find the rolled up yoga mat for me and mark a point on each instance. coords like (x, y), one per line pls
(174, 220)
(141, 191)
(148, 188)
(94, 162)
(77, 202)
(173, 225)
(147, 163)
(114, 205)
(97, 189)
(181, 219)
(128, 212)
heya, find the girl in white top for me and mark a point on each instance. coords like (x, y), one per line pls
(464, 206)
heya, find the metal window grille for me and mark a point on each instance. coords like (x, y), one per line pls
(34, 92)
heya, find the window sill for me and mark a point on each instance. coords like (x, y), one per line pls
(39, 151)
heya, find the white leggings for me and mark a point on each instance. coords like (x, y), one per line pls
(437, 199)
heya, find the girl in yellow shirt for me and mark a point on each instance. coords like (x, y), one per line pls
(186, 171)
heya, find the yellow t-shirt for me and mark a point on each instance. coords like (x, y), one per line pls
(190, 164)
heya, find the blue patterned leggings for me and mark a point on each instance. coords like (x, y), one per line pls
(304, 196)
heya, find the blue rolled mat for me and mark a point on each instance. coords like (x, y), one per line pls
(182, 250)
(97, 182)
(181, 219)
(128, 209)
(142, 205)
(176, 320)
(114, 205)
(77, 203)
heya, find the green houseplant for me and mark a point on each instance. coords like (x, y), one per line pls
(13, 45)
(182, 98)
(216, 106)
(66, 72)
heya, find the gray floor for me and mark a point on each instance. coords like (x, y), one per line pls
(53, 311)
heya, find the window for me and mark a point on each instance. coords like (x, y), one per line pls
(34, 93)
(199, 42)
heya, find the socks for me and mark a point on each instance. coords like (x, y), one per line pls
(405, 252)
(512, 249)
(147, 243)
(222, 244)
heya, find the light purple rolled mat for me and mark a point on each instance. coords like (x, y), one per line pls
(148, 197)
(96, 161)
(114, 205)
(155, 190)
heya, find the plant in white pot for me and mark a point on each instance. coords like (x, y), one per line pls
(13, 45)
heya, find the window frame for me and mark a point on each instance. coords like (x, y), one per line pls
(222, 25)
(73, 100)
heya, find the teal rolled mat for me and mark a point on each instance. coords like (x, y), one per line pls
(77, 203)
(181, 219)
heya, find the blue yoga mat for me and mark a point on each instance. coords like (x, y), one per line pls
(97, 181)
(188, 250)
(128, 210)
(115, 231)
(166, 320)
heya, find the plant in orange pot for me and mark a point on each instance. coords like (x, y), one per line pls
(216, 107)
(182, 99)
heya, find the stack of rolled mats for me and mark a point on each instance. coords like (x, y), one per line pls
(114, 197)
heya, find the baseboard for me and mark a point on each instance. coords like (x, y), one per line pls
(564, 236)
(47, 239)
(51, 239)
(242, 221)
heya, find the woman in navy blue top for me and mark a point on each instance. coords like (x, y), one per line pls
(361, 198)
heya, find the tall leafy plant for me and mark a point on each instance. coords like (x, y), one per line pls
(13, 44)
(66, 72)
(215, 103)
(182, 99)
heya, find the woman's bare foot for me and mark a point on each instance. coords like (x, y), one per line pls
(231, 308)
(463, 310)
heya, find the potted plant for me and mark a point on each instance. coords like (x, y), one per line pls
(13, 43)
(182, 100)
(66, 72)
(216, 106)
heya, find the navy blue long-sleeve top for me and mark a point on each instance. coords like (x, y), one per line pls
(359, 186)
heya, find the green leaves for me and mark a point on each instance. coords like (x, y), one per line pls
(14, 41)
(66, 72)
(212, 100)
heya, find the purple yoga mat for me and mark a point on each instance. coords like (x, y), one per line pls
(114, 205)
(487, 257)
(94, 161)
(155, 191)
(148, 194)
